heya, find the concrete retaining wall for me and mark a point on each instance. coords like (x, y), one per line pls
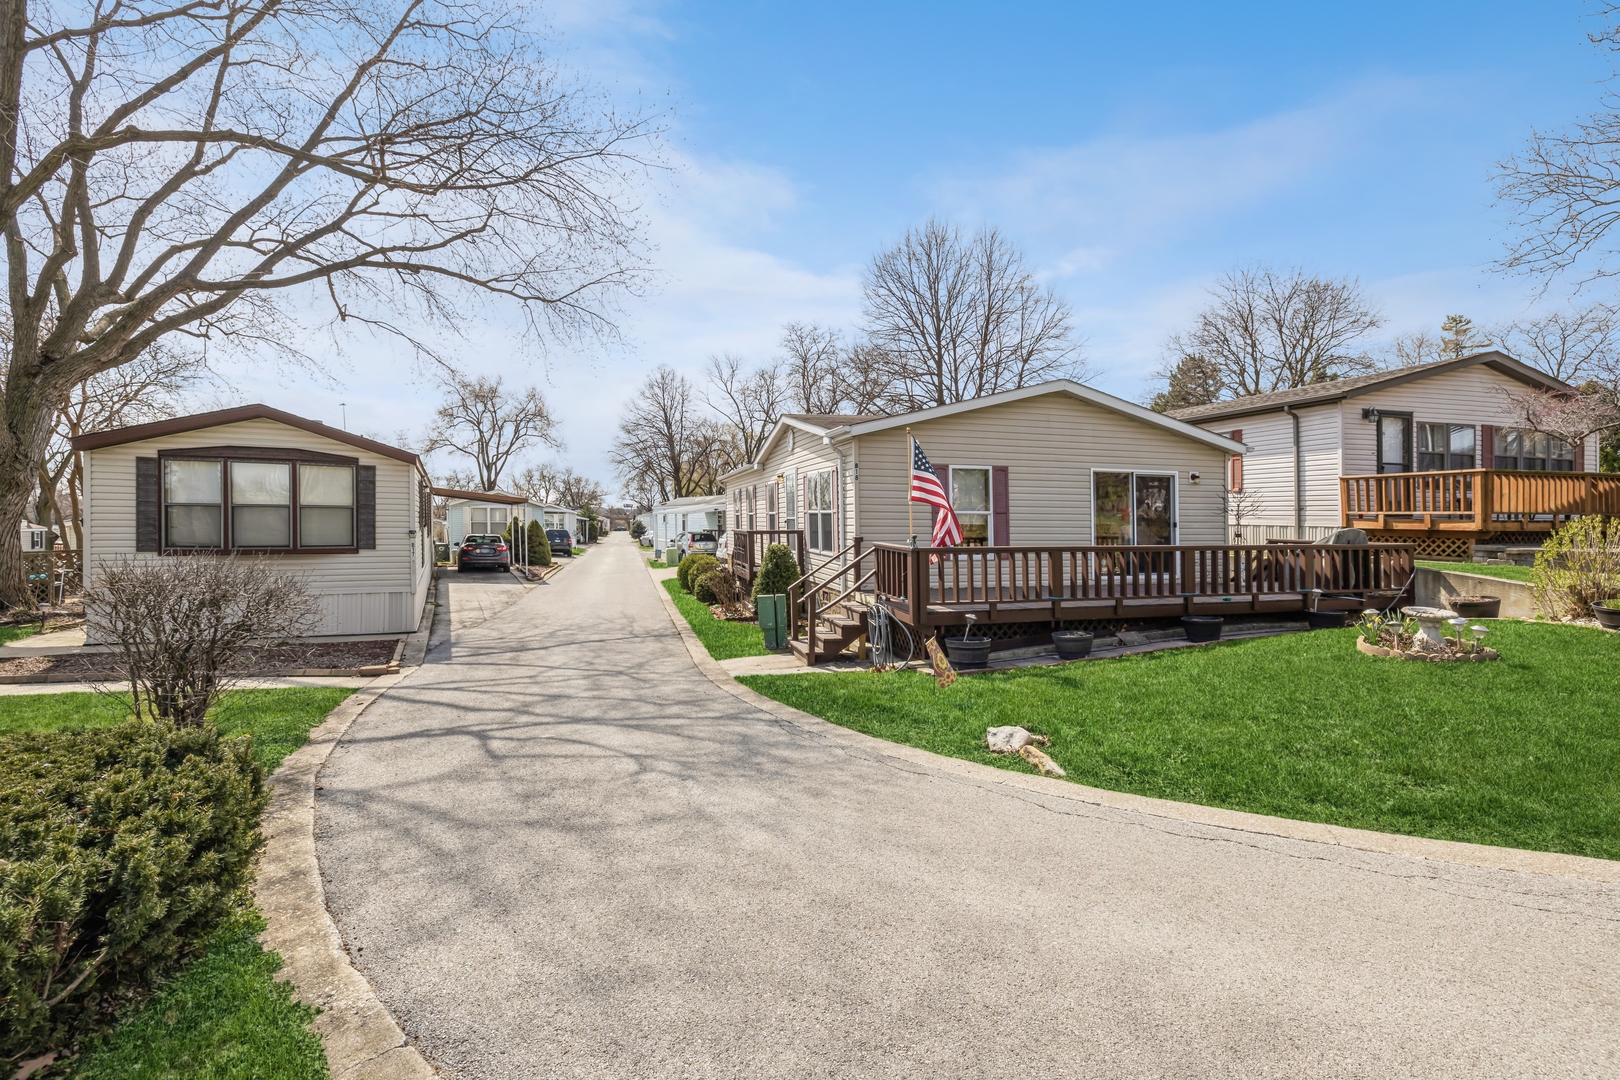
(1434, 587)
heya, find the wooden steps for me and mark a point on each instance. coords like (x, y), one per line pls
(837, 631)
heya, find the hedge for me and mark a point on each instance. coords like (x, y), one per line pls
(124, 847)
(693, 567)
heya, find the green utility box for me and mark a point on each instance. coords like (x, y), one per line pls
(773, 619)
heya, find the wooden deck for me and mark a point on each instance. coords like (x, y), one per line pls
(928, 587)
(1474, 503)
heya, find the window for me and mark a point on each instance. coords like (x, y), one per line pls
(1132, 508)
(325, 506)
(226, 503)
(790, 500)
(970, 496)
(261, 504)
(818, 516)
(486, 519)
(192, 493)
(1445, 446)
(770, 506)
(1519, 449)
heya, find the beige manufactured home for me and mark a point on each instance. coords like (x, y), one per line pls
(1057, 463)
(348, 514)
(1428, 453)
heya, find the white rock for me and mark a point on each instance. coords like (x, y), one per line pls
(1006, 740)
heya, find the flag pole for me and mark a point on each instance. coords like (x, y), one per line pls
(911, 507)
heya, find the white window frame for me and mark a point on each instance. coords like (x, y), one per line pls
(990, 501)
(1175, 503)
(826, 517)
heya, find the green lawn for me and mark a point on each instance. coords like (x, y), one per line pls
(724, 640)
(1521, 752)
(17, 633)
(1506, 573)
(223, 1016)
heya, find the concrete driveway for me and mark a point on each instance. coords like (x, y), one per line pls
(561, 852)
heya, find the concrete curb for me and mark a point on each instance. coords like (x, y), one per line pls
(1480, 856)
(362, 1041)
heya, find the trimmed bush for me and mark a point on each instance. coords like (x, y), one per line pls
(777, 571)
(1578, 566)
(638, 529)
(539, 547)
(708, 587)
(124, 847)
(692, 567)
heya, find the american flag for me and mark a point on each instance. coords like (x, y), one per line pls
(926, 488)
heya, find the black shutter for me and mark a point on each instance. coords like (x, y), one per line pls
(148, 504)
(365, 507)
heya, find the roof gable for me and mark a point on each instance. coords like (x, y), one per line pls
(179, 425)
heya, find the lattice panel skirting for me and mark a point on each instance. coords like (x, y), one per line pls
(1517, 539)
(1004, 631)
(1429, 546)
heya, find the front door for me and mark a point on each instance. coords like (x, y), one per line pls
(1155, 523)
(1394, 443)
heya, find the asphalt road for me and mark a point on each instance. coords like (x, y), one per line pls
(558, 850)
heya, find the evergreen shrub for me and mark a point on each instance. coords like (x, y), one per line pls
(777, 571)
(692, 567)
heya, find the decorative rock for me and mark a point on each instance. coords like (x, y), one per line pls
(1006, 740)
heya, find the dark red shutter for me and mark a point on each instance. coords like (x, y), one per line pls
(998, 505)
(1235, 482)
(1487, 446)
(148, 504)
(1580, 456)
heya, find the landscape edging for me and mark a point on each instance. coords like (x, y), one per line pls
(1481, 856)
(362, 1041)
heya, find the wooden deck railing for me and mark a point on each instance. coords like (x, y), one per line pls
(748, 548)
(925, 586)
(1475, 500)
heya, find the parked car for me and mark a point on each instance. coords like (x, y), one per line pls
(480, 549)
(562, 542)
(696, 543)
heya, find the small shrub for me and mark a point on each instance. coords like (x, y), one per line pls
(777, 571)
(638, 529)
(1578, 566)
(719, 587)
(177, 624)
(124, 846)
(539, 545)
(692, 567)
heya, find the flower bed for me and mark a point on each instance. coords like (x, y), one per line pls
(1380, 635)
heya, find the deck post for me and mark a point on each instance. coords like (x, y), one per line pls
(810, 629)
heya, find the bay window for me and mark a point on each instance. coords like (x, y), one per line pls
(252, 504)
(261, 504)
(192, 511)
(325, 506)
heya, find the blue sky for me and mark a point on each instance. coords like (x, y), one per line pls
(1134, 151)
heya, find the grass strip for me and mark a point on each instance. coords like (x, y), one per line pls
(1506, 573)
(1521, 752)
(724, 639)
(222, 1017)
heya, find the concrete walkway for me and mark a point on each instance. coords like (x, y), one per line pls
(558, 850)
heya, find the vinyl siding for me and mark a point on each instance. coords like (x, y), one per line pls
(809, 454)
(1474, 395)
(377, 591)
(1050, 445)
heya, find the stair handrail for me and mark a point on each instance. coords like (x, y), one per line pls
(811, 607)
(796, 594)
(847, 593)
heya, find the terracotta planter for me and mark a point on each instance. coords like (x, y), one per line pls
(1203, 627)
(967, 654)
(1476, 607)
(1608, 614)
(1072, 644)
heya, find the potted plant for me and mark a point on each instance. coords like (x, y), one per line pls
(1203, 627)
(968, 652)
(1475, 607)
(1072, 644)
(1608, 614)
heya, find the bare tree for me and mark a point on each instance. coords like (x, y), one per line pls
(481, 421)
(558, 486)
(179, 626)
(1459, 337)
(812, 368)
(1572, 346)
(1274, 330)
(1570, 415)
(750, 401)
(953, 318)
(664, 447)
(151, 387)
(209, 168)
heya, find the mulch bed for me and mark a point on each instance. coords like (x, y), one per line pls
(342, 655)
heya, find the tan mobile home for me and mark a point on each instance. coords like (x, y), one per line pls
(348, 514)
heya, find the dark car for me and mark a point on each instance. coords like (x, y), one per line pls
(483, 550)
(562, 542)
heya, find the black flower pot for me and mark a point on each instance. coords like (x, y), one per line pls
(1325, 620)
(968, 653)
(1476, 607)
(1608, 614)
(1072, 644)
(1202, 627)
